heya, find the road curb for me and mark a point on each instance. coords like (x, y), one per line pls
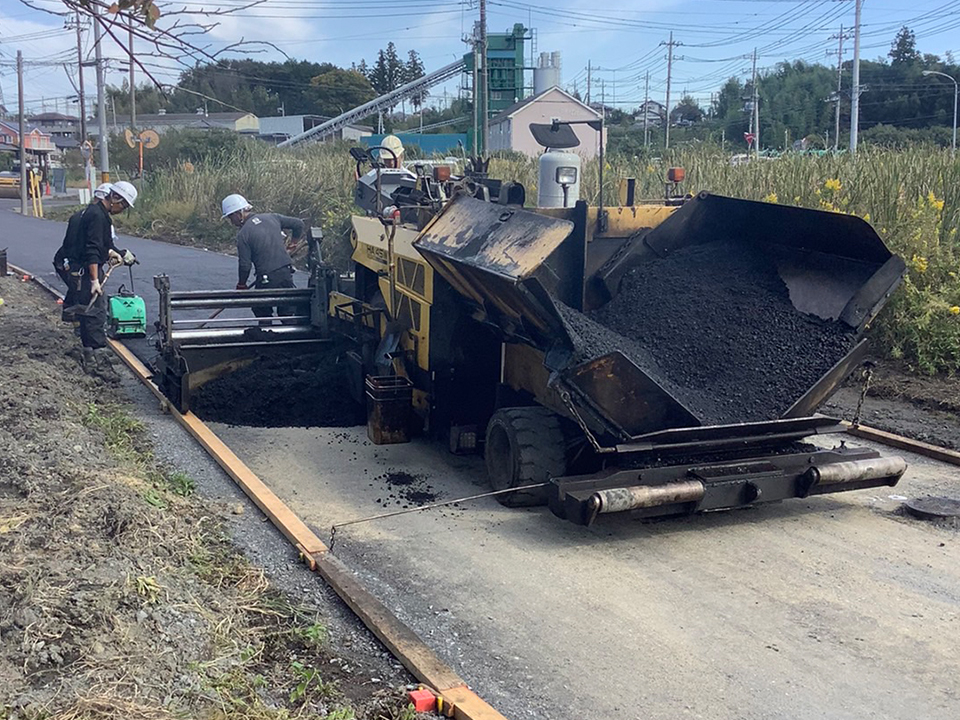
(415, 655)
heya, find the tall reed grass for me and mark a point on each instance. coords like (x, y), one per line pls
(912, 198)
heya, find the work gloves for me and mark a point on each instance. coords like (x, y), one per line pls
(95, 288)
(122, 257)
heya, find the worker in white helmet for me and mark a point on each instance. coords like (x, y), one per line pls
(96, 249)
(67, 263)
(262, 245)
(394, 158)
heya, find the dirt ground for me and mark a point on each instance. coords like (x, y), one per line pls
(923, 408)
(121, 592)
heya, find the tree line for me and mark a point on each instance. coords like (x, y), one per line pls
(797, 101)
(291, 87)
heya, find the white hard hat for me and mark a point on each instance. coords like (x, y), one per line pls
(125, 190)
(233, 203)
(392, 142)
(103, 189)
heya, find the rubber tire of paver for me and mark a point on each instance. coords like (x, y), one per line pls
(524, 446)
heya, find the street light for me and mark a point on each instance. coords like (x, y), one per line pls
(953, 146)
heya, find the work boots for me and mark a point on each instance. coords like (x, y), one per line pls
(99, 363)
(75, 353)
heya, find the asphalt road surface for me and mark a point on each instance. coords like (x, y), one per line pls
(832, 607)
(32, 243)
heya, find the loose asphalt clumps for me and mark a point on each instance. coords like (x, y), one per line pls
(293, 391)
(405, 489)
(714, 325)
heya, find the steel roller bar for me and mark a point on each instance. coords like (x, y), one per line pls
(246, 321)
(212, 294)
(259, 334)
(248, 302)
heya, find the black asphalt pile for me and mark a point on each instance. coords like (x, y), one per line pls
(296, 391)
(714, 325)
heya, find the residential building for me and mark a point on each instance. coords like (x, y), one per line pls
(283, 127)
(36, 142)
(653, 111)
(64, 130)
(510, 130)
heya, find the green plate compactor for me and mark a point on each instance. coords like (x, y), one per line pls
(126, 313)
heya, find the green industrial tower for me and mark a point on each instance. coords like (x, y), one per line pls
(505, 63)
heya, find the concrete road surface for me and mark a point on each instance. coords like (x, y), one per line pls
(833, 607)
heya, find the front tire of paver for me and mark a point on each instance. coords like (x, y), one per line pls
(524, 446)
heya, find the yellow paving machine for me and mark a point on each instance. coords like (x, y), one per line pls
(659, 358)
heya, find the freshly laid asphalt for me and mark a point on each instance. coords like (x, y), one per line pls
(830, 607)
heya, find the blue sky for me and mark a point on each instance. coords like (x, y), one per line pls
(622, 40)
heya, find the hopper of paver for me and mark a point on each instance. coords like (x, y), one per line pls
(728, 312)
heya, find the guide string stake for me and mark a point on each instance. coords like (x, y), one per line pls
(865, 376)
(337, 526)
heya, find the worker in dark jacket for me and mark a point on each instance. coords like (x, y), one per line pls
(261, 243)
(97, 235)
(67, 262)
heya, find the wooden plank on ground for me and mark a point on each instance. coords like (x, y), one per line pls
(904, 443)
(292, 527)
(468, 705)
(403, 642)
(399, 639)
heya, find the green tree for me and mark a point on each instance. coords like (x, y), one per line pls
(413, 70)
(388, 72)
(729, 111)
(687, 111)
(793, 103)
(339, 90)
(904, 48)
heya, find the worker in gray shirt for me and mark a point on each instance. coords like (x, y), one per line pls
(262, 244)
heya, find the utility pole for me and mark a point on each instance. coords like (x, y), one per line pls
(83, 104)
(23, 139)
(755, 122)
(646, 110)
(485, 76)
(855, 83)
(670, 45)
(476, 96)
(589, 79)
(133, 86)
(836, 119)
(101, 99)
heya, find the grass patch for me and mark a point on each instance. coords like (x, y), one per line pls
(124, 436)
